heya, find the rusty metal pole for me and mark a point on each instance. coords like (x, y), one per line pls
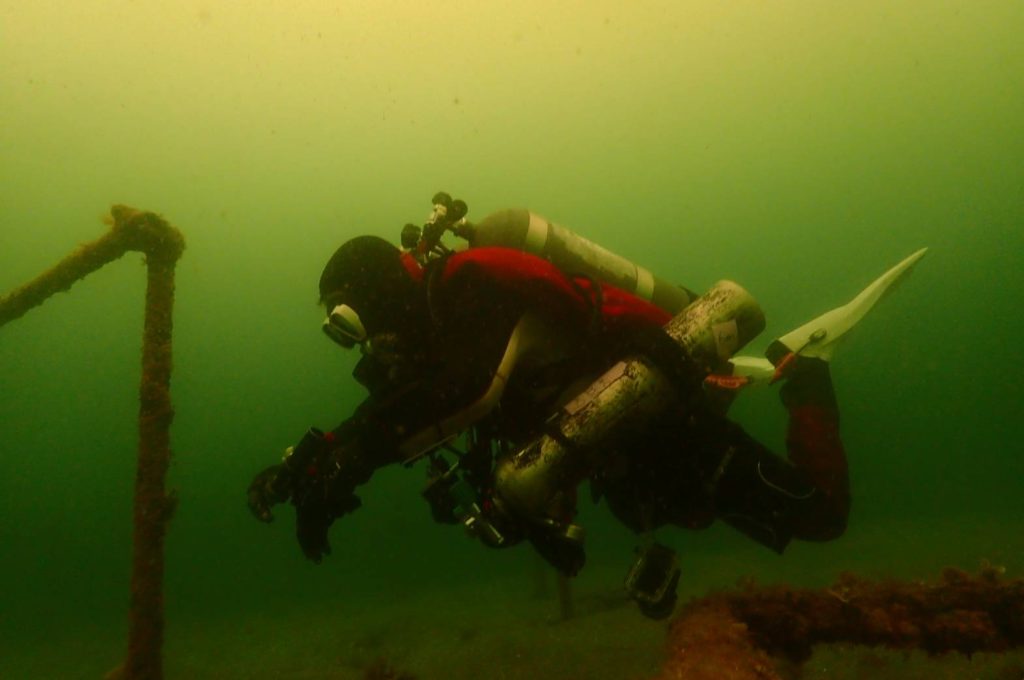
(162, 245)
(153, 506)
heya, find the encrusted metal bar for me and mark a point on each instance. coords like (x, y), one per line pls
(740, 635)
(162, 245)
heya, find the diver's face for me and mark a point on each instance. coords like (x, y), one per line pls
(344, 326)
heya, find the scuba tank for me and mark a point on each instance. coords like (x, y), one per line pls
(524, 230)
(538, 481)
(573, 254)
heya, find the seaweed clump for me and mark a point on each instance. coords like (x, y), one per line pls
(742, 635)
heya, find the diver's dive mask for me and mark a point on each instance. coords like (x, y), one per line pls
(344, 327)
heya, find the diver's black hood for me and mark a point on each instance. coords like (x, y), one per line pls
(367, 274)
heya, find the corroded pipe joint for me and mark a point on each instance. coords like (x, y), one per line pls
(147, 232)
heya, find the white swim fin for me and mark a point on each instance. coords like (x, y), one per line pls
(819, 338)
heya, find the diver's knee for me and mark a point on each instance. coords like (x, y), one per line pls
(773, 501)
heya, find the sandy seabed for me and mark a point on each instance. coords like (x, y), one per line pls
(512, 628)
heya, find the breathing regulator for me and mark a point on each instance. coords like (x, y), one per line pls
(448, 215)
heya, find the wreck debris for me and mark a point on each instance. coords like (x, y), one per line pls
(742, 635)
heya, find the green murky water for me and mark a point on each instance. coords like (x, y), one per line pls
(799, 148)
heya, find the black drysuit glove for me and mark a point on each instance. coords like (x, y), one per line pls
(318, 502)
(323, 491)
(319, 476)
(316, 510)
(268, 488)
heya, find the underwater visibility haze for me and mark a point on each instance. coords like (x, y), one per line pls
(799, 148)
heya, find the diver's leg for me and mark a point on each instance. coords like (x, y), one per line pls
(774, 500)
(814, 446)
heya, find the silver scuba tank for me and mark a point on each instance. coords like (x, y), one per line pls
(573, 254)
(538, 481)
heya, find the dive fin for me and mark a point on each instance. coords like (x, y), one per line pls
(752, 370)
(818, 338)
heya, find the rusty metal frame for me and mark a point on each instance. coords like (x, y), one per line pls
(153, 505)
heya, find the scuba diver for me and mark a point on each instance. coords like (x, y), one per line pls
(534, 361)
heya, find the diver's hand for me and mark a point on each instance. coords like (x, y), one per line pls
(311, 525)
(268, 488)
(314, 517)
(324, 490)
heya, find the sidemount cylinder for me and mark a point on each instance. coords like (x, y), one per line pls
(538, 481)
